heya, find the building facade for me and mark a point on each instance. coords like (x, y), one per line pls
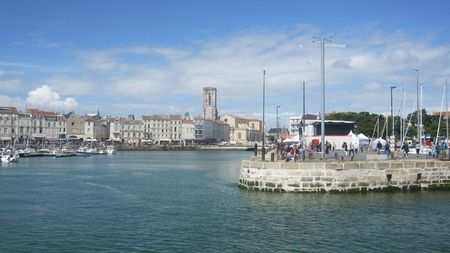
(242, 130)
(208, 131)
(162, 127)
(9, 120)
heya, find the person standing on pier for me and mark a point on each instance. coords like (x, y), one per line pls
(379, 147)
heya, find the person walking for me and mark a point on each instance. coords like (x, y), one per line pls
(352, 149)
(379, 147)
(344, 146)
(405, 149)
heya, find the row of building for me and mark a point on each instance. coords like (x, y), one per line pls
(37, 125)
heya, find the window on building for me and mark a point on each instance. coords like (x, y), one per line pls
(239, 136)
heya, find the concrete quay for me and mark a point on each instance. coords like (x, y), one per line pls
(347, 176)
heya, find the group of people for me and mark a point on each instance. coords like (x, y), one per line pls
(438, 151)
(296, 152)
(351, 149)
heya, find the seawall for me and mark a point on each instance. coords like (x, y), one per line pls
(349, 176)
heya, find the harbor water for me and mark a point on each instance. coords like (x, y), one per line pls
(190, 202)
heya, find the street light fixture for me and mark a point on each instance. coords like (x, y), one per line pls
(263, 151)
(322, 42)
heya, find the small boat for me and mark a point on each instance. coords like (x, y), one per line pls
(65, 154)
(85, 151)
(9, 156)
(110, 149)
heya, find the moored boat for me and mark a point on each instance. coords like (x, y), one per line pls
(9, 156)
(110, 149)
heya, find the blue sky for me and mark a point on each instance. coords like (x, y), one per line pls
(146, 57)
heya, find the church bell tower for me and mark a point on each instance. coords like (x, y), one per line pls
(210, 103)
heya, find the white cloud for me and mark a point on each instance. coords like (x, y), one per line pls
(373, 88)
(99, 61)
(68, 86)
(43, 97)
(10, 86)
(11, 101)
(148, 74)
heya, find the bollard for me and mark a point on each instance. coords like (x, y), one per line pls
(263, 153)
(342, 158)
(255, 149)
(272, 157)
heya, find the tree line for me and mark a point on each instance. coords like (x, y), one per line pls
(366, 123)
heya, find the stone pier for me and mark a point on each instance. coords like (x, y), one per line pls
(361, 176)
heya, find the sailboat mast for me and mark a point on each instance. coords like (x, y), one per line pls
(446, 109)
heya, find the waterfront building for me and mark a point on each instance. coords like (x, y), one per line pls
(44, 125)
(62, 126)
(24, 127)
(33, 125)
(210, 103)
(132, 131)
(210, 131)
(76, 126)
(96, 127)
(187, 130)
(115, 129)
(8, 124)
(242, 130)
(162, 128)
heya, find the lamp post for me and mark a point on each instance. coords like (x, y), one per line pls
(392, 112)
(278, 128)
(418, 110)
(322, 42)
(263, 151)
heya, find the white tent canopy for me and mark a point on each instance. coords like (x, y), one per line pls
(374, 143)
(362, 137)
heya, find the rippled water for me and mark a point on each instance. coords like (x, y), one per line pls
(190, 202)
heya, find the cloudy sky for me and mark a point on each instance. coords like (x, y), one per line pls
(146, 57)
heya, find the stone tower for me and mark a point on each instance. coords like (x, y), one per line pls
(210, 103)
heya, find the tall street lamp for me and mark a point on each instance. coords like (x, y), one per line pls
(263, 151)
(322, 42)
(278, 128)
(392, 112)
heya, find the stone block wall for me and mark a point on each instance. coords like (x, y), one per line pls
(344, 176)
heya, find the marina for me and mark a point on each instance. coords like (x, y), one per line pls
(143, 201)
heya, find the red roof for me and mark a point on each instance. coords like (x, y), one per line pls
(9, 110)
(37, 112)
